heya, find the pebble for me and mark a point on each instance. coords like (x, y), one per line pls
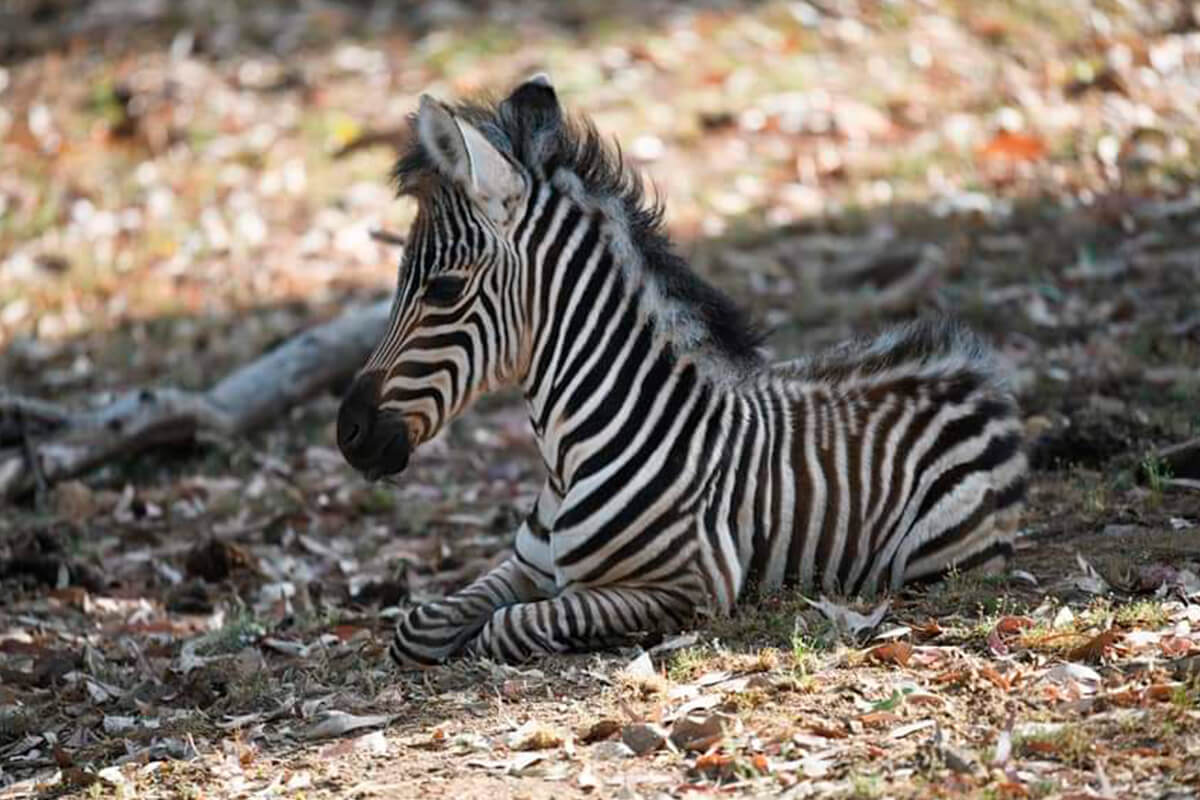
(643, 737)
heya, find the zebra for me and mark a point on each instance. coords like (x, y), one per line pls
(683, 471)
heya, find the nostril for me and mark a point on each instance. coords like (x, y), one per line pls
(357, 416)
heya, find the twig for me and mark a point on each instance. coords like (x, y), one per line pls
(31, 458)
(387, 237)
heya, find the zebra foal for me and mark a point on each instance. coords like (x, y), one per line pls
(681, 468)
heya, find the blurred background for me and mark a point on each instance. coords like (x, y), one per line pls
(200, 160)
(185, 184)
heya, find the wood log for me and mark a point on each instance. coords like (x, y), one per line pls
(41, 443)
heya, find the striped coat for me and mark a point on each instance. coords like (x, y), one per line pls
(682, 470)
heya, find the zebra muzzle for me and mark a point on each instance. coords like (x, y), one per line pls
(374, 443)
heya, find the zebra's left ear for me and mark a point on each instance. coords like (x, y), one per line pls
(463, 154)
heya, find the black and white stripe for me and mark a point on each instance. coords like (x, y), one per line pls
(681, 469)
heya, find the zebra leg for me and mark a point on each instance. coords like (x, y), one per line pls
(431, 632)
(585, 619)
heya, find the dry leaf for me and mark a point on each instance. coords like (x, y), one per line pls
(996, 678)
(1010, 146)
(847, 619)
(1162, 691)
(878, 719)
(600, 730)
(713, 762)
(1095, 648)
(338, 723)
(697, 733)
(893, 653)
(534, 735)
(1011, 625)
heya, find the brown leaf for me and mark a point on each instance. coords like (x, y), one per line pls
(878, 719)
(1124, 697)
(929, 630)
(215, 559)
(643, 737)
(893, 653)
(1010, 789)
(953, 676)
(827, 731)
(1160, 691)
(1010, 625)
(713, 762)
(996, 678)
(1043, 746)
(1009, 146)
(697, 732)
(1095, 648)
(600, 730)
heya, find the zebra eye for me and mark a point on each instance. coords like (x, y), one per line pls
(444, 290)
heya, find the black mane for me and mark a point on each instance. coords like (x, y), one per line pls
(535, 134)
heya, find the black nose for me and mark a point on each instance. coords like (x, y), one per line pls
(374, 443)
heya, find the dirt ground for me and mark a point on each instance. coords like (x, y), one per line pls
(183, 186)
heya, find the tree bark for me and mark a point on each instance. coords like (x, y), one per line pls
(41, 443)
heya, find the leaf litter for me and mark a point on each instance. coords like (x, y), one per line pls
(215, 622)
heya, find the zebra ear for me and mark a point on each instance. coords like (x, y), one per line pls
(463, 154)
(536, 102)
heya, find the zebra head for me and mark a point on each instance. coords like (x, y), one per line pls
(454, 329)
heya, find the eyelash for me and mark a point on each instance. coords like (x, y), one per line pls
(444, 290)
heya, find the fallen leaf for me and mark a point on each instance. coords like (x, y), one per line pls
(1095, 648)
(893, 653)
(713, 762)
(1007, 145)
(847, 619)
(998, 680)
(827, 731)
(643, 737)
(534, 735)
(600, 730)
(1010, 625)
(1162, 691)
(697, 733)
(911, 728)
(996, 644)
(338, 723)
(878, 719)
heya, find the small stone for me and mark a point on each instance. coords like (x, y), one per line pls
(610, 750)
(642, 737)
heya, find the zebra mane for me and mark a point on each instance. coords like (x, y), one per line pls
(530, 128)
(937, 346)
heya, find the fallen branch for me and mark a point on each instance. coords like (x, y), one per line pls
(53, 444)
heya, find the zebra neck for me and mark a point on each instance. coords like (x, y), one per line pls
(603, 359)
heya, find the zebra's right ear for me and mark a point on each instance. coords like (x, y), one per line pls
(464, 155)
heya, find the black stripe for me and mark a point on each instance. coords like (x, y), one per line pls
(591, 504)
(999, 450)
(610, 407)
(572, 271)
